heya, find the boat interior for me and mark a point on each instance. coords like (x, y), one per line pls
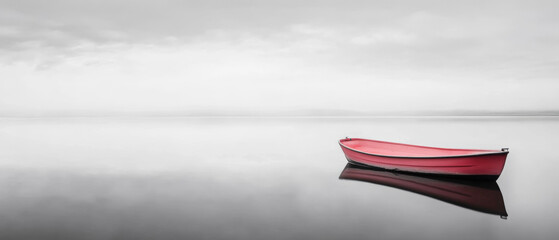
(406, 150)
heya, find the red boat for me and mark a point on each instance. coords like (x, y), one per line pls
(468, 163)
(480, 196)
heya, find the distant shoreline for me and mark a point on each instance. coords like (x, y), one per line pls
(269, 116)
(278, 114)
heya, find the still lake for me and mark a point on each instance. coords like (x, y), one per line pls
(258, 178)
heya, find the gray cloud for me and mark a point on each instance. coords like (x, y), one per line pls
(101, 21)
(372, 33)
(278, 51)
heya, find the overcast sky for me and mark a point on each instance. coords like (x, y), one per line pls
(70, 56)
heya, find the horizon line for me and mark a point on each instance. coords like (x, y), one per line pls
(278, 116)
(308, 113)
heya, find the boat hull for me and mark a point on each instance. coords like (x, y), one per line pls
(486, 165)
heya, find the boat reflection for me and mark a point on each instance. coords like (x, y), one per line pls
(480, 196)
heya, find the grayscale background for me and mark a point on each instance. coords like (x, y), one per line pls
(220, 119)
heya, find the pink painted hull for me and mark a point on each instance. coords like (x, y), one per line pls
(482, 164)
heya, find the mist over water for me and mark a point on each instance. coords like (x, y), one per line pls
(239, 178)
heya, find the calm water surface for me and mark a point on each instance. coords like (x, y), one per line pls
(242, 178)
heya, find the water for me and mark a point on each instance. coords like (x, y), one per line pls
(263, 178)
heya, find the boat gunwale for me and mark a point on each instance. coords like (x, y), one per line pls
(417, 157)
